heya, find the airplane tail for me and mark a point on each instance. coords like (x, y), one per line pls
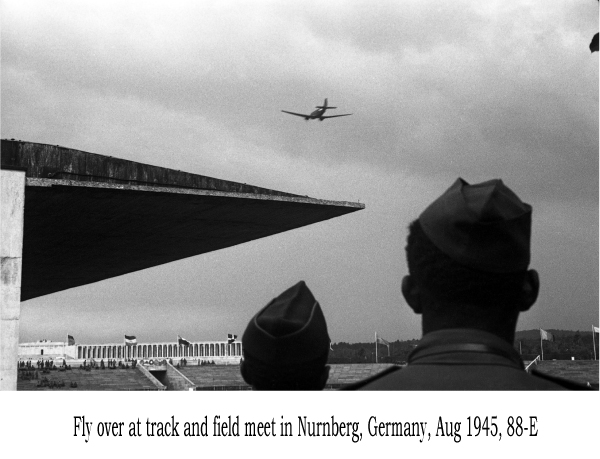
(325, 106)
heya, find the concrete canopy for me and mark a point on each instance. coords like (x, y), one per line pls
(90, 217)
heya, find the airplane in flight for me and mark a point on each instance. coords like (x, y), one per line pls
(318, 114)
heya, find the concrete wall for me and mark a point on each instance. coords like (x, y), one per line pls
(47, 349)
(174, 380)
(12, 194)
(151, 377)
(55, 162)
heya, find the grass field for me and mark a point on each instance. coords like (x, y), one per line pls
(583, 371)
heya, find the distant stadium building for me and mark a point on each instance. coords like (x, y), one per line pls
(46, 350)
(221, 352)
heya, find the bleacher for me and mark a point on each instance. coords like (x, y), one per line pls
(341, 375)
(215, 377)
(228, 377)
(96, 379)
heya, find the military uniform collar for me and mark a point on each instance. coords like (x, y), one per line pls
(464, 346)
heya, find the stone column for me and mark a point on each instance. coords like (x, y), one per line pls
(12, 207)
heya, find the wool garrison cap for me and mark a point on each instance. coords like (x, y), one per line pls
(484, 226)
(290, 330)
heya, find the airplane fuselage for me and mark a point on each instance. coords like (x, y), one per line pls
(317, 114)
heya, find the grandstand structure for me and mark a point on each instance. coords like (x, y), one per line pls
(229, 378)
(69, 218)
(118, 379)
(201, 366)
(218, 351)
(161, 375)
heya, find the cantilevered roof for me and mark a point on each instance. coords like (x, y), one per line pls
(91, 217)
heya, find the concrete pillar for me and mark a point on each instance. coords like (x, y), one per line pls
(12, 207)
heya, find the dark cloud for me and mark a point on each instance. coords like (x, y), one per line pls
(437, 88)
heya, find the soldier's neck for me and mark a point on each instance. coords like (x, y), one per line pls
(504, 328)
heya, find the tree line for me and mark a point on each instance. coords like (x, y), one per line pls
(566, 344)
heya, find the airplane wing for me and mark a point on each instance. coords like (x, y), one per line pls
(335, 116)
(297, 114)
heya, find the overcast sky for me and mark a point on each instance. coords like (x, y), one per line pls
(437, 89)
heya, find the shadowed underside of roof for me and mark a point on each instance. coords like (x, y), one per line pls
(89, 217)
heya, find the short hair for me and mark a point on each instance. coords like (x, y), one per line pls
(454, 284)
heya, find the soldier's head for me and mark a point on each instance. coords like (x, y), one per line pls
(468, 255)
(286, 344)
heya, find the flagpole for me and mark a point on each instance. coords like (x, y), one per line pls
(375, 347)
(594, 340)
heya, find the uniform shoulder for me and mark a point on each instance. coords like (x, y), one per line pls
(564, 383)
(360, 384)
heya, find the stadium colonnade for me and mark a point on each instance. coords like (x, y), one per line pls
(160, 350)
(198, 350)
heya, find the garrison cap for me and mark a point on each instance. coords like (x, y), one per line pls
(290, 330)
(484, 226)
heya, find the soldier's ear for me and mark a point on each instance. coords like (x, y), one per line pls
(531, 289)
(411, 294)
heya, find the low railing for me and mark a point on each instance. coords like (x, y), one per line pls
(534, 361)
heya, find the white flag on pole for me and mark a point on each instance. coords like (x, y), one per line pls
(546, 335)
